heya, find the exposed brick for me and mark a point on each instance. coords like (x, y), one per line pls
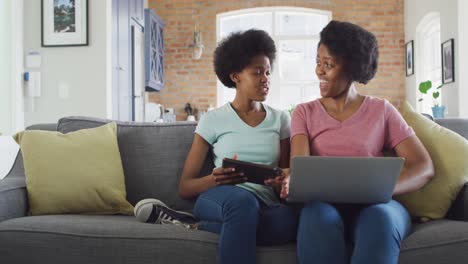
(194, 81)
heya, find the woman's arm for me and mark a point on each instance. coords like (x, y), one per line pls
(418, 168)
(190, 185)
(283, 163)
(299, 147)
(284, 153)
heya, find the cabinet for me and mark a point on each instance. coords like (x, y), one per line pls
(154, 51)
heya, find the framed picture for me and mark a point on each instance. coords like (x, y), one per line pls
(409, 57)
(64, 23)
(448, 66)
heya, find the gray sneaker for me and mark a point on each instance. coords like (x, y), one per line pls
(156, 212)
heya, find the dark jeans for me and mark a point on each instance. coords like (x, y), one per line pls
(243, 221)
(376, 231)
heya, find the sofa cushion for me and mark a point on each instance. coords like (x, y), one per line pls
(438, 241)
(153, 156)
(80, 172)
(121, 239)
(449, 152)
(113, 239)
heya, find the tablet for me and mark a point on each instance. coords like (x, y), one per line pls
(255, 173)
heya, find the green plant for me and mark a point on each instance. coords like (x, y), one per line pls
(291, 109)
(424, 87)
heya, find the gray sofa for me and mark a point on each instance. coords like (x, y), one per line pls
(153, 156)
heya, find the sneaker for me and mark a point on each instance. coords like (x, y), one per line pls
(156, 212)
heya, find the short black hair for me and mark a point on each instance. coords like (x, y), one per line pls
(356, 46)
(236, 51)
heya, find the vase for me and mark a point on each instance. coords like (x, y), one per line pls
(438, 111)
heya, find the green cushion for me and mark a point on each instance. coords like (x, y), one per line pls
(78, 172)
(449, 153)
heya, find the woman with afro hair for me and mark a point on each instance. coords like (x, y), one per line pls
(244, 214)
(344, 122)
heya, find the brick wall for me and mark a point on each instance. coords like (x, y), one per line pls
(194, 81)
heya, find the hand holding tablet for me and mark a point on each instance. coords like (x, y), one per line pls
(255, 173)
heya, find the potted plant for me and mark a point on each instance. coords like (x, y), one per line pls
(438, 109)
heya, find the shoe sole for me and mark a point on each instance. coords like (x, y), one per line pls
(141, 204)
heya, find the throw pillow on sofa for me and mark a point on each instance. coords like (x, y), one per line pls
(78, 172)
(449, 152)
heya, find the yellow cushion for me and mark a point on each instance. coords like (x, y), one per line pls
(78, 172)
(449, 152)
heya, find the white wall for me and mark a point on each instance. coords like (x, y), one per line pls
(80, 70)
(5, 68)
(463, 57)
(415, 10)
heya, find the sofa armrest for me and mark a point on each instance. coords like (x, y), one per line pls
(459, 209)
(13, 199)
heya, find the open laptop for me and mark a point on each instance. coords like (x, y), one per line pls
(343, 179)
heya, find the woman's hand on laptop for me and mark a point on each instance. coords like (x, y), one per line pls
(277, 182)
(285, 186)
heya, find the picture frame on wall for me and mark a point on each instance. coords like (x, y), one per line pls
(448, 65)
(409, 58)
(64, 23)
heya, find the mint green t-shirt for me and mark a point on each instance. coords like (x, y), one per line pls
(228, 134)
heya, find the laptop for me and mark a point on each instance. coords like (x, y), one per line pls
(360, 180)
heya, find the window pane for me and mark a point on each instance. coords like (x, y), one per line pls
(430, 64)
(299, 23)
(244, 22)
(294, 94)
(297, 60)
(295, 33)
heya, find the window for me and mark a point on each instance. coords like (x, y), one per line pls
(428, 58)
(296, 35)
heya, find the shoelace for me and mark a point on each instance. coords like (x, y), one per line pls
(167, 219)
(177, 223)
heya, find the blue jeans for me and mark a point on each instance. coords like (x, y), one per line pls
(376, 231)
(242, 221)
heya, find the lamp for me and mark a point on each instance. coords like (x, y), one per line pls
(197, 45)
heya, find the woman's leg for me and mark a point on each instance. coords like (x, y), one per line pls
(238, 212)
(320, 236)
(378, 233)
(277, 224)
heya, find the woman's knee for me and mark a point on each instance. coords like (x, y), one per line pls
(376, 213)
(242, 198)
(387, 214)
(227, 203)
(388, 220)
(320, 216)
(241, 201)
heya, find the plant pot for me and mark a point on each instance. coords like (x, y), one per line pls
(438, 111)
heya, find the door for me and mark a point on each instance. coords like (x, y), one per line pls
(123, 72)
(138, 73)
(121, 75)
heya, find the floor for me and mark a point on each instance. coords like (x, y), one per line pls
(8, 151)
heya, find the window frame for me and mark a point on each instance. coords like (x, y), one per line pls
(426, 28)
(276, 82)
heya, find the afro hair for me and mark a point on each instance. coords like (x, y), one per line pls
(356, 46)
(236, 51)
